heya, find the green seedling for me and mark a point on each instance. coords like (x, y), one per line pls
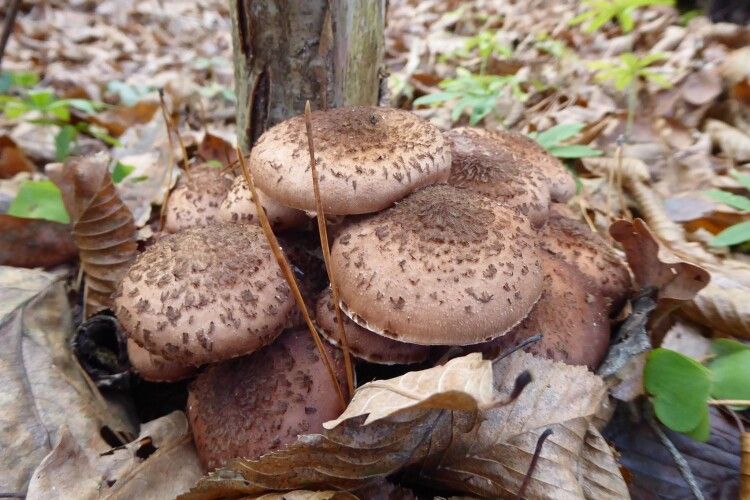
(553, 140)
(600, 12)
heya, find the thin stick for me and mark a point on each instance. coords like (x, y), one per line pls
(170, 159)
(323, 231)
(10, 21)
(527, 479)
(288, 274)
(171, 126)
(729, 402)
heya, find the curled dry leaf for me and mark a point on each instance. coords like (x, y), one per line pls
(44, 389)
(629, 168)
(655, 266)
(733, 142)
(136, 470)
(444, 439)
(103, 227)
(307, 495)
(34, 242)
(723, 305)
(702, 87)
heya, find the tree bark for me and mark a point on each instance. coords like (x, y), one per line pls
(289, 51)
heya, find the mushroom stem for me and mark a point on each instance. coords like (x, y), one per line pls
(288, 275)
(323, 232)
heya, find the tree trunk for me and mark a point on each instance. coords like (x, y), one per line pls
(289, 51)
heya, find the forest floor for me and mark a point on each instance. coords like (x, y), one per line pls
(650, 110)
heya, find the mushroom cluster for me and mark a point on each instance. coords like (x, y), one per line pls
(443, 239)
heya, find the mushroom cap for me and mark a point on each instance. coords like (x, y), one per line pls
(363, 343)
(445, 266)
(204, 295)
(239, 207)
(196, 199)
(482, 162)
(155, 368)
(367, 159)
(571, 316)
(251, 405)
(573, 242)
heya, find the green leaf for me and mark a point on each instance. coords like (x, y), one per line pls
(680, 387)
(559, 133)
(743, 179)
(733, 235)
(731, 199)
(574, 151)
(85, 105)
(25, 79)
(39, 200)
(723, 347)
(434, 98)
(63, 140)
(121, 171)
(730, 375)
(15, 108)
(703, 431)
(40, 99)
(58, 109)
(214, 164)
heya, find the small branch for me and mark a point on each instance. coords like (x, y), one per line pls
(679, 460)
(9, 22)
(170, 159)
(526, 480)
(289, 275)
(323, 231)
(729, 402)
(171, 126)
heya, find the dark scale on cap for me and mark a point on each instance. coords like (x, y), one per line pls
(196, 199)
(410, 271)
(367, 159)
(219, 286)
(252, 405)
(483, 162)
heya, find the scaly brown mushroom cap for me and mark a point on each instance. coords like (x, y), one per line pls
(367, 159)
(196, 200)
(363, 343)
(444, 266)
(204, 295)
(239, 207)
(252, 405)
(571, 316)
(155, 368)
(573, 242)
(482, 162)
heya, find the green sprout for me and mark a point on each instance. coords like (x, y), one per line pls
(476, 94)
(626, 72)
(600, 12)
(738, 233)
(554, 141)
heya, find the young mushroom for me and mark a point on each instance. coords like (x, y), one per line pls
(363, 343)
(571, 316)
(484, 163)
(249, 406)
(196, 199)
(239, 207)
(444, 266)
(154, 368)
(576, 244)
(204, 295)
(367, 159)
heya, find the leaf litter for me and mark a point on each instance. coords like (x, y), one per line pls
(454, 425)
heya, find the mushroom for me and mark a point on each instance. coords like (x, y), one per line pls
(204, 295)
(196, 199)
(444, 266)
(576, 244)
(571, 316)
(367, 159)
(482, 162)
(363, 343)
(155, 368)
(251, 405)
(239, 207)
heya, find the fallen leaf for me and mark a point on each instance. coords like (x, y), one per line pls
(435, 428)
(733, 142)
(702, 87)
(103, 227)
(117, 119)
(631, 168)
(12, 159)
(35, 242)
(138, 469)
(723, 305)
(214, 147)
(651, 469)
(44, 389)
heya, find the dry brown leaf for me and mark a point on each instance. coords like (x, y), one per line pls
(214, 147)
(43, 388)
(103, 227)
(723, 305)
(733, 142)
(702, 87)
(485, 452)
(307, 495)
(118, 119)
(124, 472)
(745, 466)
(12, 159)
(34, 242)
(631, 168)
(736, 66)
